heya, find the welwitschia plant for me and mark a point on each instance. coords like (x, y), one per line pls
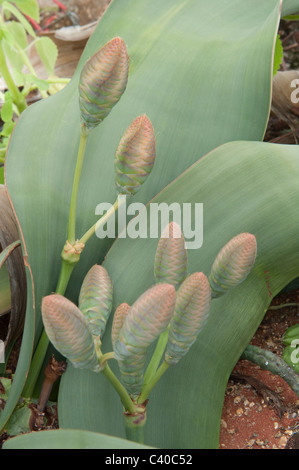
(173, 318)
(194, 113)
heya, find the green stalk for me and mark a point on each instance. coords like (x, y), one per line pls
(120, 389)
(278, 307)
(74, 197)
(64, 276)
(156, 357)
(273, 363)
(148, 387)
(134, 433)
(58, 80)
(17, 96)
(102, 220)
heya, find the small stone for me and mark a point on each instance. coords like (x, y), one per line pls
(246, 402)
(289, 432)
(277, 435)
(276, 425)
(223, 423)
(237, 399)
(259, 442)
(282, 441)
(251, 442)
(239, 411)
(231, 431)
(251, 404)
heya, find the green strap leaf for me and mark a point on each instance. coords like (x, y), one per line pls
(70, 439)
(7, 252)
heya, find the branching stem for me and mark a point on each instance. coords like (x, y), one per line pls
(148, 387)
(156, 357)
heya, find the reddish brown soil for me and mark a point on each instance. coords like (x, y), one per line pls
(249, 420)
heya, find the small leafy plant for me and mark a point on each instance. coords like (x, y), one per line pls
(291, 350)
(17, 38)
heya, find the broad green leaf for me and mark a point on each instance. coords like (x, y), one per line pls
(48, 52)
(16, 62)
(185, 56)
(291, 356)
(6, 110)
(278, 55)
(28, 7)
(6, 34)
(244, 186)
(8, 7)
(69, 439)
(18, 33)
(291, 334)
(8, 128)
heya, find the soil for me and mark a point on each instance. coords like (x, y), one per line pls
(252, 417)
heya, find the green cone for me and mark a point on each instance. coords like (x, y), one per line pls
(68, 331)
(135, 156)
(146, 320)
(190, 316)
(103, 80)
(171, 256)
(95, 299)
(233, 263)
(118, 320)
